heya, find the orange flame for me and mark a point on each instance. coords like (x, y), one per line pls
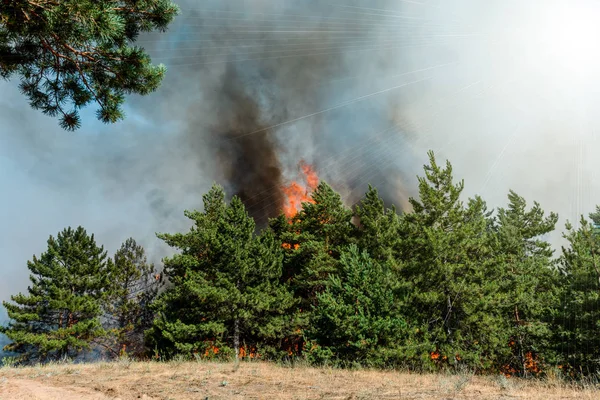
(251, 353)
(531, 362)
(312, 180)
(296, 193)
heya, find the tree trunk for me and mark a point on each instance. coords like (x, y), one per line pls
(236, 338)
(520, 339)
(236, 331)
(447, 319)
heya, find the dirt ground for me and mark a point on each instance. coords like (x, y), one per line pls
(189, 380)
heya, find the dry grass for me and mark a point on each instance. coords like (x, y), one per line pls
(258, 380)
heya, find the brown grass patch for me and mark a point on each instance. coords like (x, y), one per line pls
(260, 380)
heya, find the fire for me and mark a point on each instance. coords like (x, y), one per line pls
(297, 193)
(251, 353)
(531, 364)
(312, 180)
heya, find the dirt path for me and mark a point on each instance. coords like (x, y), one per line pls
(26, 389)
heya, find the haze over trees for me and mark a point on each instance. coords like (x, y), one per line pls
(450, 285)
(71, 53)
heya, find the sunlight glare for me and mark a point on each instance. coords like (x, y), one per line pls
(571, 35)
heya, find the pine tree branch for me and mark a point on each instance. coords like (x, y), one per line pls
(42, 6)
(76, 64)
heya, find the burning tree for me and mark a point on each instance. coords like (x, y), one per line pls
(296, 193)
(316, 235)
(312, 241)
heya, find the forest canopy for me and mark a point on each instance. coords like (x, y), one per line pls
(449, 285)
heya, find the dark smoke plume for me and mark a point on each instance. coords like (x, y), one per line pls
(257, 73)
(247, 154)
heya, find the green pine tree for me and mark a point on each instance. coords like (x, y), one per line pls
(135, 283)
(73, 52)
(379, 229)
(447, 256)
(61, 314)
(578, 339)
(527, 291)
(312, 240)
(226, 292)
(358, 318)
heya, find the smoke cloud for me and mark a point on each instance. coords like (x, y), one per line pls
(358, 89)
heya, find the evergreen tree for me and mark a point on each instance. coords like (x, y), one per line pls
(312, 240)
(134, 285)
(578, 340)
(61, 314)
(527, 282)
(379, 232)
(447, 256)
(358, 317)
(73, 52)
(225, 291)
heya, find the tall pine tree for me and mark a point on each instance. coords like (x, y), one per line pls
(226, 294)
(312, 240)
(61, 313)
(578, 340)
(447, 256)
(527, 291)
(134, 286)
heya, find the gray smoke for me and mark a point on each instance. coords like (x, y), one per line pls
(258, 72)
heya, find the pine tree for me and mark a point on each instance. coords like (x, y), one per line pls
(134, 286)
(61, 314)
(73, 52)
(226, 292)
(379, 228)
(312, 241)
(527, 290)
(446, 252)
(578, 340)
(358, 318)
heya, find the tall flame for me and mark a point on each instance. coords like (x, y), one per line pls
(297, 193)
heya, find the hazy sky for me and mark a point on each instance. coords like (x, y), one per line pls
(507, 90)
